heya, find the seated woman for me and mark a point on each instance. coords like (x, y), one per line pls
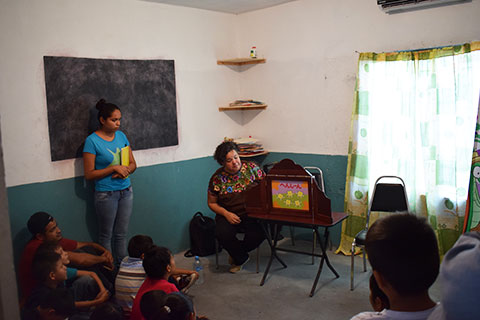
(226, 197)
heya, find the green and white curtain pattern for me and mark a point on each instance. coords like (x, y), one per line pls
(414, 116)
(472, 214)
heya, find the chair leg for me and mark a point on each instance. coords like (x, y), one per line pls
(216, 253)
(292, 235)
(352, 265)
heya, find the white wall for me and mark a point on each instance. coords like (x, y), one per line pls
(308, 80)
(121, 29)
(311, 50)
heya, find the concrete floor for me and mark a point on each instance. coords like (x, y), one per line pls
(285, 294)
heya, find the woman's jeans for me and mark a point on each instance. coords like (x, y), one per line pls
(113, 212)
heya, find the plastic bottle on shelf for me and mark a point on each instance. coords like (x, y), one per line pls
(197, 266)
(253, 52)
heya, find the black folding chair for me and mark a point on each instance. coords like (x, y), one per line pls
(386, 197)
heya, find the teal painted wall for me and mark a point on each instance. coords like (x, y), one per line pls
(165, 198)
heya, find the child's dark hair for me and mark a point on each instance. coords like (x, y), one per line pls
(376, 292)
(107, 311)
(105, 109)
(47, 246)
(156, 305)
(155, 262)
(59, 299)
(403, 249)
(43, 264)
(222, 150)
(138, 245)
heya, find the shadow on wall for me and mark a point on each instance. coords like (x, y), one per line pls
(242, 118)
(84, 190)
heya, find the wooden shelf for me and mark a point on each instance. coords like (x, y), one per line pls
(255, 155)
(252, 107)
(241, 61)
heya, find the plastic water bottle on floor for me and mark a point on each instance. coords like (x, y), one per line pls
(197, 266)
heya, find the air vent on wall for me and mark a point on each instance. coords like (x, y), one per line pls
(398, 6)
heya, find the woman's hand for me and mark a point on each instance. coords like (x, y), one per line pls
(232, 218)
(120, 172)
(117, 171)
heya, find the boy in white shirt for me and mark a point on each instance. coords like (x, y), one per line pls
(403, 252)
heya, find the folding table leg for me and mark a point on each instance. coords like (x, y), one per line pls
(273, 252)
(323, 259)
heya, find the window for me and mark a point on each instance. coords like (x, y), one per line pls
(414, 117)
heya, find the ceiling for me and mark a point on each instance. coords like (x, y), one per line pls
(228, 6)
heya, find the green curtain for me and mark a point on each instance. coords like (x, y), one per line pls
(414, 116)
(472, 214)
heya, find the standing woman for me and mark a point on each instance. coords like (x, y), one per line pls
(113, 190)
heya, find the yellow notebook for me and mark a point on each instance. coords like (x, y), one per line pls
(125, 157)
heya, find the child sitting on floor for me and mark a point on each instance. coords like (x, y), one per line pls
(157, 305)
(84, 283)
(159, 264)
(403, 252)
(459, 274)
(56, 304)
(107, 311)
(51, 273)
(131, 274)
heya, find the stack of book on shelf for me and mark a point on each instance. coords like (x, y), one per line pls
(246, 103)
(249, 147)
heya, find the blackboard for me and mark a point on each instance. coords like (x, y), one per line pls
(144, 90)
